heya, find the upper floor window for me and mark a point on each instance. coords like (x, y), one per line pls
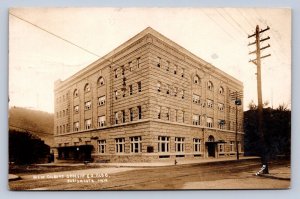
(210, 86)
(182, 72)
(130, 90)
(75, 93)
(168, 114)
(168, 89)
(123, 116)
(196, 79)
(100, 81)
(140, 112)
(196, 99)
(175, 69)
(76, 126)
(159, 113)
(130, 66)
(158, 62)
(210, 103)
(221, 107)
(139, 86)
(88, 124)
(196, 119)
(101, 100)
(182, 94)
(88, 105)
(138, 62)
(116, 73)
(221, 90)
(158, 86)
(123, 70)
(175, 91)
(101, 121)
(116, 118)
(87, 88)
(168, 66)
(221, 124)
(116, 95)
(209, 122)
(76, 108)
(131, 114)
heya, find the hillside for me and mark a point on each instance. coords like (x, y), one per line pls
(38, 123)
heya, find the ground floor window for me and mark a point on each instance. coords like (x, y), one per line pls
(231, 144)
(136, 144)
(179, 144)
(163, 144)
(120, 145)
(197, 145)
(101, 146)
(221, 148)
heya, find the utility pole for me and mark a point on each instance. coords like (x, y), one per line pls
(257, 62)
(236, 96)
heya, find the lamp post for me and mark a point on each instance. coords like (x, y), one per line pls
(237, 101)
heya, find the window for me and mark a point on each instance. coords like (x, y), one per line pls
(75, 94)
(221, 107)
(101, 100)
(196, 119)
(196, 99)
(183, 116)
(163, 144)
(221, 90)
(210, 103)
(67, 128)
(116, 73)
(158, 62)
(175, 69)
(136, 144)
(101, 146)
(159, 113)
(182, 94)
(168, 66)
(210, 86)
(88, 124)
(130, 66)
(182, 72)
(138, 60)
(196, 79)
(130, 90)
(131, 114)
(76, 109)
(76, 126)
(64, 113)
(175, 91)
(168, 114)
(64, 128)
(139, 86)
(197, 145)
(158, 86)
(221, 148)
(100, 81)
(221, 124)
(123, 116)
(123, 70)
(101, 121)
(116, 118)
(60, 129)
(87, 88)
(120, 145)
(88, 105)
(176, 115)
(140, 112)
(209, 122)
(168, 89)
(116, 95)
(231, 144)
(179, 144)
(67, 111)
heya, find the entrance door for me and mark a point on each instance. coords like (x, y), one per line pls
(211, 149)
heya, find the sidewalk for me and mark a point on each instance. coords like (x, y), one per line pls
(155, 164)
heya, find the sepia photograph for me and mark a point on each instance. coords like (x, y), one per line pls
(149, 98)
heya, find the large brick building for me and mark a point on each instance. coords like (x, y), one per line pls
(148, 100)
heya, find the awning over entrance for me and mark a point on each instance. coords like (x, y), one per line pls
(215, 142)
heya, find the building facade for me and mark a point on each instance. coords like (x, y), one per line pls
(148, 100)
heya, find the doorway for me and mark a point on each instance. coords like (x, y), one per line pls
(211, 150)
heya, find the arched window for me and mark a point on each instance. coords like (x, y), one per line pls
(210, 85)
(75, 93)
(87, 88)
(211, 138)
(196, 79)
(158, 86)
(100, 81)
(221, 90)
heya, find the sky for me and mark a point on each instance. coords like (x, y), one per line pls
(47, 44)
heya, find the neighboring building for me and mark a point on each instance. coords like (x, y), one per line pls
(147, 100)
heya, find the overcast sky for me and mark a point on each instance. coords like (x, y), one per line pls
(39, 53)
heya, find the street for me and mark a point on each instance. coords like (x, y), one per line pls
(217, 175)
